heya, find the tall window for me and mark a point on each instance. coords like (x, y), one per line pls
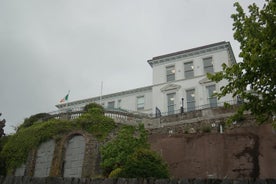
(190, 96)
(189, 70)
(140, 102)
(111, 105)
(208, 65)
(119, 103)
(212, 100)
(171, 104)
(170, 72)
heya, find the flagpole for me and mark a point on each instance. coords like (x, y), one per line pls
(101, 93)
(66, 105)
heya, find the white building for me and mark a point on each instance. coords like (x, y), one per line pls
(178, 78)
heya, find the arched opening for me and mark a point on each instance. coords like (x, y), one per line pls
(73, 158)
(44, 158)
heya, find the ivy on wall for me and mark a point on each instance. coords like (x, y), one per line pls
(32, 133)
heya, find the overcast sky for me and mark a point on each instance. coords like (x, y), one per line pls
(49, 47)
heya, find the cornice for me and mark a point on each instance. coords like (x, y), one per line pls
(94, 99)
(193, 52)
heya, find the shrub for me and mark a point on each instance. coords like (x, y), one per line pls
(144, 163)
(206, 128)
(32, 119)
(94, 108)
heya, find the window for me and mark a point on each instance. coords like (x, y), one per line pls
(189, 70)
(119, 104)
(190, 95)
(170, 101)
(212, 100)
(111, 105)
(208, 65)
(170, 72)
(140, 102)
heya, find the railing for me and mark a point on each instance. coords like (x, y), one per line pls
(118, 115)
(128, 117)
(196, 108)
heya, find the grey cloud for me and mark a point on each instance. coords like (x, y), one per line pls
(50, 47)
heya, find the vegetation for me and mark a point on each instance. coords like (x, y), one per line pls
(128, 155)
(206, 129)
(16, 148)
(2, 125)
(256, 34)
(144, 163)
(3, 169)
(32, 119)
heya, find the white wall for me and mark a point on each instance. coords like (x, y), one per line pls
(159, 70)
(129, 101)
(201, 97)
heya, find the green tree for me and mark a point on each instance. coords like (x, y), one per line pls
(115, 153)
(2, 125)
(129, 155)
(144, 163)
(256, 33)
(33, 119)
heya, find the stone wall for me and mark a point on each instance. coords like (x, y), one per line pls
(245, 152)
(74, 155)
(57, 180)
(242, 150)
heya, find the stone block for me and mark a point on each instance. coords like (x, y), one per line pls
(226, 181)
(240, 181)
(9, 180)
(271, 181)
(96, 181)
(55, 180)
(183, 181)
(162, 181)
(34, 180)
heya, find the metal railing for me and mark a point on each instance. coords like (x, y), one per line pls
(196, 108)
(124, 115)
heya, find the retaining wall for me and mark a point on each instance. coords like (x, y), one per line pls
(58, 180)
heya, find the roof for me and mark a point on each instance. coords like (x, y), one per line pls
(94, 99)
(193, 51)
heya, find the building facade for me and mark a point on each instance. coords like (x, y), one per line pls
(179, 84)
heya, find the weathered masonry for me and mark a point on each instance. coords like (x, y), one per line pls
(75, 155)
(201, 149)
(58, 180)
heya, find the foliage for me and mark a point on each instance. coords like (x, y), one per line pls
(16, 149)
(144, 163)
(94, 107)
(2, 125)
(115, 153)
(115, 173)
(99, 125)
(18, 146)
(206, 128)
(32, 119)
(256, 34)
(128, 155)
(3, 170)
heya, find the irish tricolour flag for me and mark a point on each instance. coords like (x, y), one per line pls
(65, 98)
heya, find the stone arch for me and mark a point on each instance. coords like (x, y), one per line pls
(91, 160)
(20, 171)
(44, 158)
(73, 156)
